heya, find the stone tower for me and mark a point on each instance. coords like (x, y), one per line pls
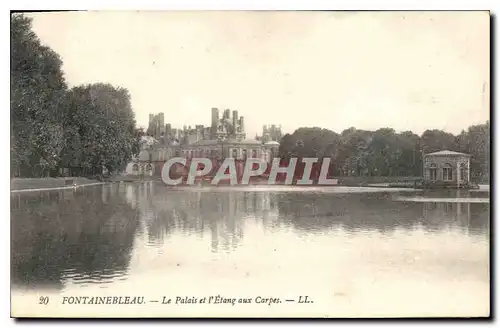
(215, 119)
(235, 120)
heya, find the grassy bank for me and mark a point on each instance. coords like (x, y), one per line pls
(44, 183)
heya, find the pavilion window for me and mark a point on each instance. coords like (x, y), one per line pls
(447, 172)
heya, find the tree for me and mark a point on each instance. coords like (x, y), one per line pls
(437, 140)
(309, 142)
(411, 158)
(37, 94)
(352, 155)
(286, 146)
(478, 145)
(100, 127)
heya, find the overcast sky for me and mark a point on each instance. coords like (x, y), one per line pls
(405, 70)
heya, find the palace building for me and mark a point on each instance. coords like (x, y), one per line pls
(225, 137)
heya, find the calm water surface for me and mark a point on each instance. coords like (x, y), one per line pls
(354, 252)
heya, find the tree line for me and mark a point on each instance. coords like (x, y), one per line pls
(81, 129)
(384, 152)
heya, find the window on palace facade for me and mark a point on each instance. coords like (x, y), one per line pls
(254, 153)
(244, 154)
(433, 172)
(447, 172)
(135, 168)
(149, 167)
(235, 153)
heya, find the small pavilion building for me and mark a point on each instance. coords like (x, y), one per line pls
(447, 168)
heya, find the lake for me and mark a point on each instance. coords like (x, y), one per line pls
(354, 252)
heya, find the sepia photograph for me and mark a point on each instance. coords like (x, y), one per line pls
(250, 164)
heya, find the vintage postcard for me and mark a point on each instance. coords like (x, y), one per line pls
(250, 164)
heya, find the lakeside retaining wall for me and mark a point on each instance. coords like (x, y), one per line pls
(41, 183)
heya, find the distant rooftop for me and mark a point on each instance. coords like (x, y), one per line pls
(447, 153)
(251, 142)
(228, 141)
(204, 143)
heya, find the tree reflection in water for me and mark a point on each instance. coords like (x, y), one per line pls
(83, 235)
(359, 213)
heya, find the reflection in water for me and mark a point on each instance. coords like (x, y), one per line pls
(87, 235)
(82, 235)
(359, 213)
(221, 215)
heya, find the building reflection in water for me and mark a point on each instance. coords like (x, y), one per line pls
(470, 218)
(224, 215)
